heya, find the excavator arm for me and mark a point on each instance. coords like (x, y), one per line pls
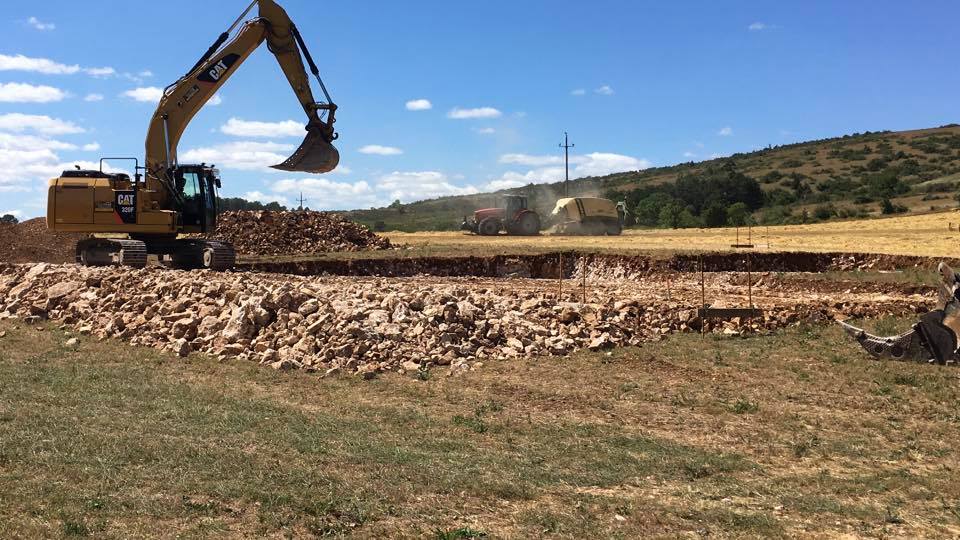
(183, 99)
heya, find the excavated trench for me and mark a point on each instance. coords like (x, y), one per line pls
(549, 265)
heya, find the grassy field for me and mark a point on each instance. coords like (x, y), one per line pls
(927, 234)
(796, 434)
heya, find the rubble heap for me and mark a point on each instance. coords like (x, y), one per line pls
(361, 325)
(31, 241)
(293, 233)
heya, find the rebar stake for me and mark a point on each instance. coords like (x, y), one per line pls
(560, 280)
(583, 283)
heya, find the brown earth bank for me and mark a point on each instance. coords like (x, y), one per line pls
(371, 325)
(548, 265)
(31, 241)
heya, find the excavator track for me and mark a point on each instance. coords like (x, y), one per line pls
(194, 254)
(112, 251)
(219, 256)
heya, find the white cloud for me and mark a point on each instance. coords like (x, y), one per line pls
(485, 131)
(18, 123)
(604, 90)
(37, 24)
(325, 194)
(215, 100)
(264, 198)
(716, 156)
(29, 161)
(480, 112)
(419, 105)
(15, 213)
(689, 155)
(532, 161)
(550, 168)
(414, 186)
(28, 93)
(49, 67)
(725, 131)
(603, 163)
(148, 94)
(9, 141)
(91, 147)
(578, 92)
(100, 72)
(37, 65)
(757, 26)
(508, 181)
(243, 128)
(145, 73)
(93, 97)
(240, 155)
(378, 150)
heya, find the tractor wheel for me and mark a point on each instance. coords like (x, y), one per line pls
(489, 227)
(528, 224)
(614, 229)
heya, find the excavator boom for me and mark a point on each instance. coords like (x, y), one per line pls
(184, 98)
(149, 215)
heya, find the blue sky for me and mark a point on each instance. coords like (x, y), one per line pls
(635, 83)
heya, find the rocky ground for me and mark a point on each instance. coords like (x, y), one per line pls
(371, 325)
(294, 233)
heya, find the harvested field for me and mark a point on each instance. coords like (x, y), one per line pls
(919, 235)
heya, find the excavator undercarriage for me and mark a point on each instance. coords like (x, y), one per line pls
(185, 254)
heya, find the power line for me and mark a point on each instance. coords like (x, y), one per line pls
(301, 199)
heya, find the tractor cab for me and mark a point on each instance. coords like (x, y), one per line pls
(196, 187)
(514, 204)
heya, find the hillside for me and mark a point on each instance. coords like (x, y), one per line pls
(844, 177)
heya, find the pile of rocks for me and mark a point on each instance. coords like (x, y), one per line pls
(362, 326)
(294, 233)
(31, 241)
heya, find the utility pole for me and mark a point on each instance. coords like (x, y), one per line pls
(301, 201)
(566, 164)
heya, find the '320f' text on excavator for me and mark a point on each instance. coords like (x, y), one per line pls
(171, 198)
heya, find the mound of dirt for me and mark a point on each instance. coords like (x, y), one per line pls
(294, 233)
(31, 241)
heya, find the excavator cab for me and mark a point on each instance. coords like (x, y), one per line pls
(197, 189)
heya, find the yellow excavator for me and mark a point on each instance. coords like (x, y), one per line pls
(166, 198)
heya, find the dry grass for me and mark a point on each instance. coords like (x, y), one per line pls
(790, 435)
(927, 234)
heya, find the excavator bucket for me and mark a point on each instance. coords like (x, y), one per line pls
(905, 347)
(315, 155)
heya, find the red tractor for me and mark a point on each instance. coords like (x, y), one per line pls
(513, 217)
